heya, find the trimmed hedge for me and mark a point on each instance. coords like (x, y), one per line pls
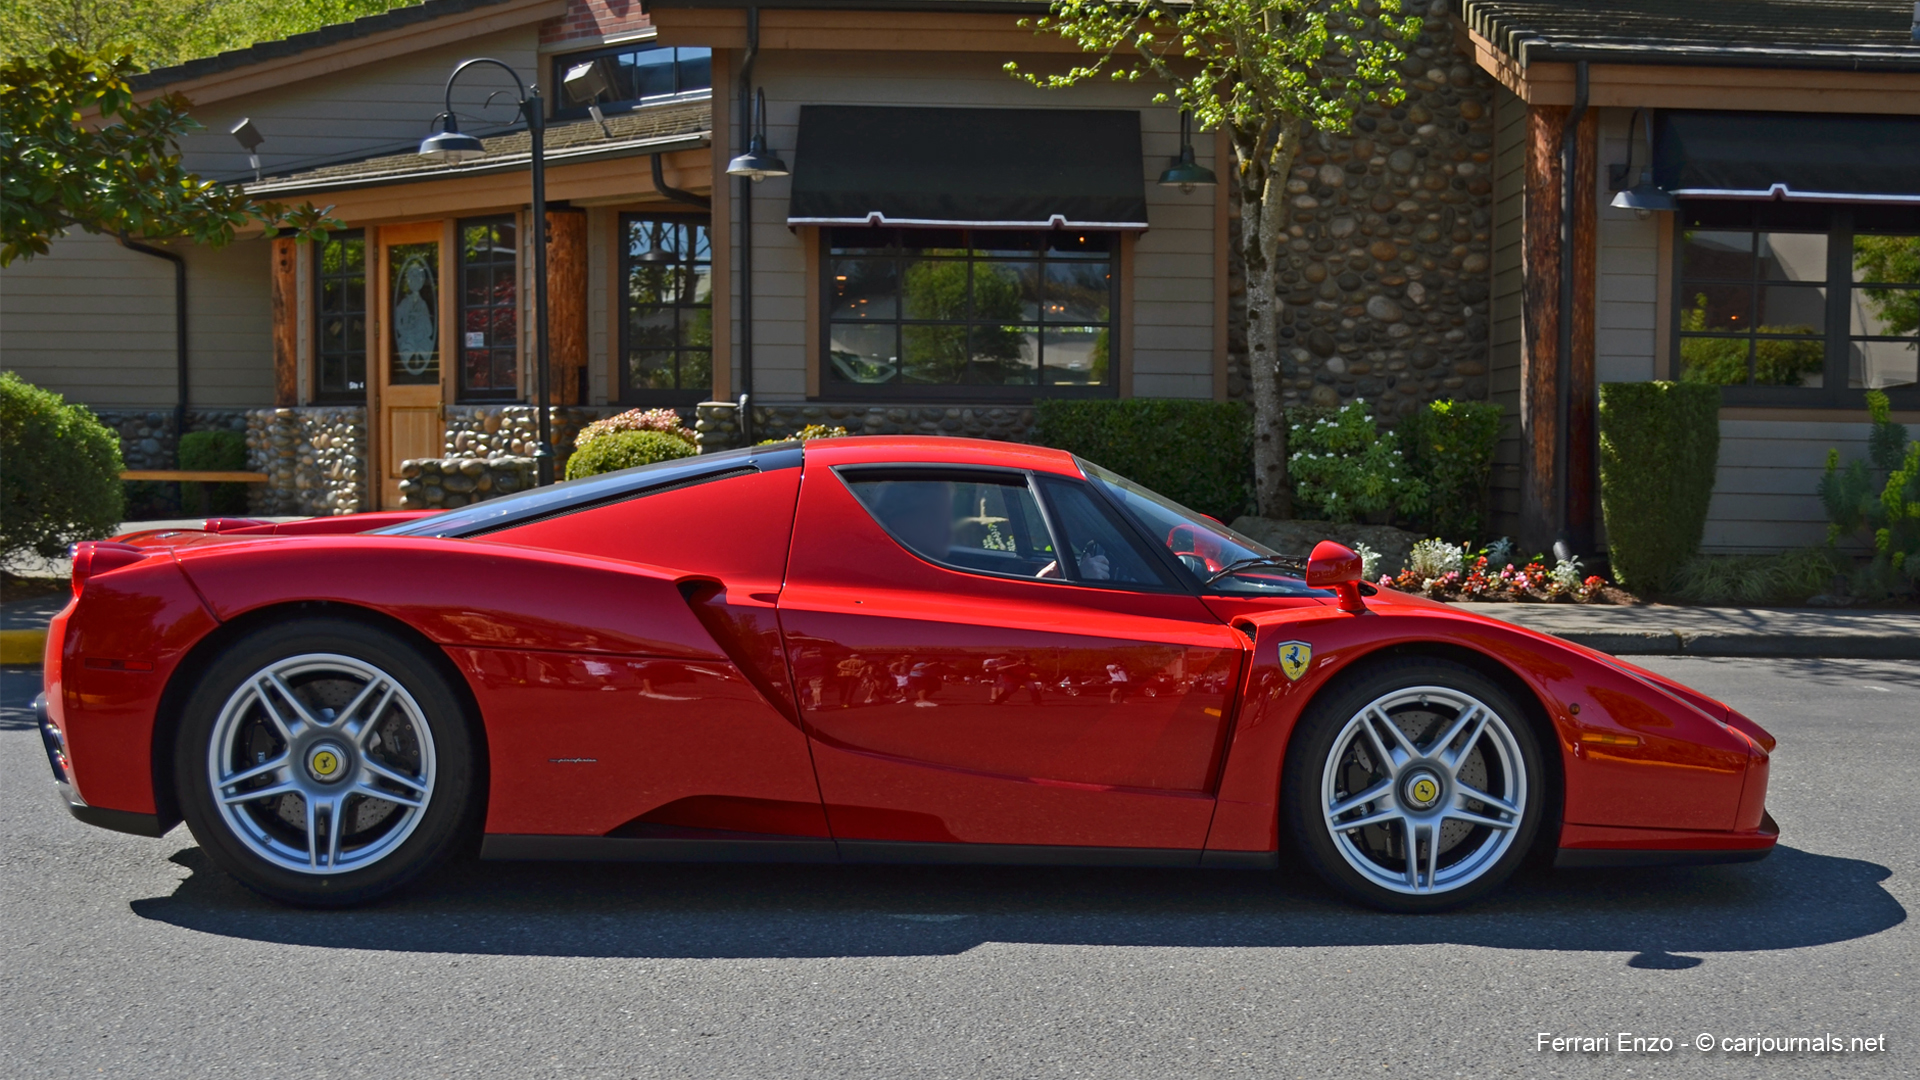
(59, 472)
(1197, 453)
(1450, 445)
(207, 451)
(625, 450)
(1659, 446)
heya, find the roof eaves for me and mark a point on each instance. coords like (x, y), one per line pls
(502, 163)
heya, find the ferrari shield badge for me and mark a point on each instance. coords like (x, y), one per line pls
(1294, 657)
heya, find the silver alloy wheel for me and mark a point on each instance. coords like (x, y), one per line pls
(1424, 790)
(321, 763)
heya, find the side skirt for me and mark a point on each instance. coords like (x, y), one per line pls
(739, 847)
(1596, 858)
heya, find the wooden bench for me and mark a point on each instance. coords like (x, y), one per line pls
(204, 476)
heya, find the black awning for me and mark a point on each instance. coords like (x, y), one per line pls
(1812, 156)
(1032, 168)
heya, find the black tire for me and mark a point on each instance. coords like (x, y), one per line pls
(284, 845)
(1460, 856)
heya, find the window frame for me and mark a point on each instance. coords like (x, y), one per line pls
(462, 394)
(557, 71)
(1842, 222)
(901, 391)
(623, 389)
(321, 394)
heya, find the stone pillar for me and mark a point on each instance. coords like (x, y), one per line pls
(716, 426)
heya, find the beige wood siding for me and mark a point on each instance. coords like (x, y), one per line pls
(1764, 493)
(1628, 300)
(1506, 303)
(1173, 261)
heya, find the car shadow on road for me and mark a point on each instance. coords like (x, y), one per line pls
(1793, 899)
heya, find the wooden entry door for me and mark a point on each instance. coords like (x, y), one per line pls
(411, 269)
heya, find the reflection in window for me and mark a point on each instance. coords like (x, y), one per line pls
(1884, 330)
(632, 76)
(489, 309)
(987, 526)
(340, 317)
(1022, 310)
(1753, 307)
(412, 281)
(666, 264)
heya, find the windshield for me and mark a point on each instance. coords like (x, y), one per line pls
(1201, 544)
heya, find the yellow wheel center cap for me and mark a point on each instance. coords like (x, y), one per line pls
(1423, 791)
(326, 763)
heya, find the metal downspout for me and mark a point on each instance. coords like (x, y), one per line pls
(746, 228)
(676, 194)
(179, 328)
(1562, 451)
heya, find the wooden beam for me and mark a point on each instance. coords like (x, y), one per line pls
(566, 304)
(284, 293)
(1540, 325)
(1583, 438)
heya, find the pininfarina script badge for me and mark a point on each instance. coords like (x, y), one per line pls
(1294, 657)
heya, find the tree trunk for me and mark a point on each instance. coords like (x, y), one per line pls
(1265, 159)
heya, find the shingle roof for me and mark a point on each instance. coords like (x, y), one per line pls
(650, 129)
(299, 43)
(1852, 34)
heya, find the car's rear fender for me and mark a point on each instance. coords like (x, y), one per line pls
(1628, 754)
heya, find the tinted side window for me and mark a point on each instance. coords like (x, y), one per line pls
(1099, 548)
(986, 525)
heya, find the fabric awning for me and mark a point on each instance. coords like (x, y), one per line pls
(986, 168)
(1810, 156)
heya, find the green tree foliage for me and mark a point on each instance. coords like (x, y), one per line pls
(1346, 468)
(1879, 497)
(1659, 446)
(1723, 361)
(1269, 72)
(625, 450)
(1449, 445)
(60, 482)
(158, 33)
(76, 151)
(1197, 453)
(214, 451)
(1890, 258)
(943, 354)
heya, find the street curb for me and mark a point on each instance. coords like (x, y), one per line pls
(1811, 646)
(22, 646)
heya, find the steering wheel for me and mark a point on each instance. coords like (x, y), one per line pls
(1184, 542)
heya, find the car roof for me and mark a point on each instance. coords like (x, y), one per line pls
(939, 449)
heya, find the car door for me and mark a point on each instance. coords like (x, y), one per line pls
(983, 656)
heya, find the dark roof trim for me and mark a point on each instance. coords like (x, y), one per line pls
(368, 26)
(520, 162)
(1843, 35)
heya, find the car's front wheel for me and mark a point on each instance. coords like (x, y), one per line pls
(1417, 786)
(324, 761)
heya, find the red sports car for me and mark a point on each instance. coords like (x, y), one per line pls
(857, 650)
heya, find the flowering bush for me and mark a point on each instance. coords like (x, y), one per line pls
(1444, 572)
(810, 433)
(665, 420)
(1435, 558)
(1343, 466)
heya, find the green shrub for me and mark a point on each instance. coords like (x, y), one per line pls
(209, 451)
(1788, 578)
(1197, 453)
(1885, 506)
(1449, 445)
(810, 433)
(59, 472)
(624, 450)
(636, 420)
(1343, 465)
(1659, 446)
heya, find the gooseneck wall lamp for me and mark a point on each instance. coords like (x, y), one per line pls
(1186, 173)
(451, 145)
(1645, 198)
(758, 162)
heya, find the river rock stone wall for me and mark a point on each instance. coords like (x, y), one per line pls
(717, 426)
(1384, 273)
(445, 483)
(491, 431)
(315, 459)
(147, 437)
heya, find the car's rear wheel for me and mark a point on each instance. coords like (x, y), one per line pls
(1417, 786)
(324, 761)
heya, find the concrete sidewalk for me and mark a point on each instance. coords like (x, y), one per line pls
(1663, 630)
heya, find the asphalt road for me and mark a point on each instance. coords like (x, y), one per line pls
(125, 957)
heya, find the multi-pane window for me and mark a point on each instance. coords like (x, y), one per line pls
(489, 311)
(924, 310)
(666, 326)
(1806, 301)
(630, 75)
(340, 317)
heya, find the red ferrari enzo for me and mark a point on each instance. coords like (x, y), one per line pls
(857, 650)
